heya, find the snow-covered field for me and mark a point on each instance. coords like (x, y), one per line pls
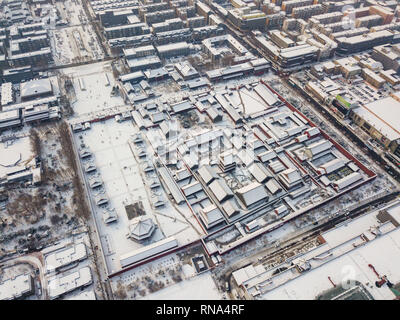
(123, 185)
(201, 287)
(97, 94)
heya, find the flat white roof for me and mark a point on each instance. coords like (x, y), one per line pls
(172, 46)
(383, 115)
(65, 256)
(62, 284)
(6, 93)
(15, 287)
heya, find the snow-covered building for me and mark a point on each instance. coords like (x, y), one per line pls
(211, 216)
(273, 186)
(347, 181)
(65, 256)
(290, 177)
(60, 285)
(317, 147)
(141, 228)
(252, 193)
(259, 172)
(282, 209)
(109, 215)
(331, 166)
(192, 188)
(230, 207)
(207, 174)
(17, 287)
(148, 251)
(220, 190)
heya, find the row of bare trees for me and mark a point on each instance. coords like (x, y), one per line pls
(82, 209)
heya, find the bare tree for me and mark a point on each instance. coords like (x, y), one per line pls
(36, 145)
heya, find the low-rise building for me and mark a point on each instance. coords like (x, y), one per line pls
(173, 49)
(17, 288)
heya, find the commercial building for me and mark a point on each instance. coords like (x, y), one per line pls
(390, 76)
(85, 295)
(134, 77)
(349, 67)
(363, 42)
(380, 120)
(288, 57)
(9, 119)
(150, 62)
(36, 89)
(281, 40)
(247, 19)
(373, 78)
(364, 244)
(230, 72)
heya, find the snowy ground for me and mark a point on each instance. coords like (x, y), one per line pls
(170, 272)
(123, 185)
(201, 287)
(97, 94)
(123, 177)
